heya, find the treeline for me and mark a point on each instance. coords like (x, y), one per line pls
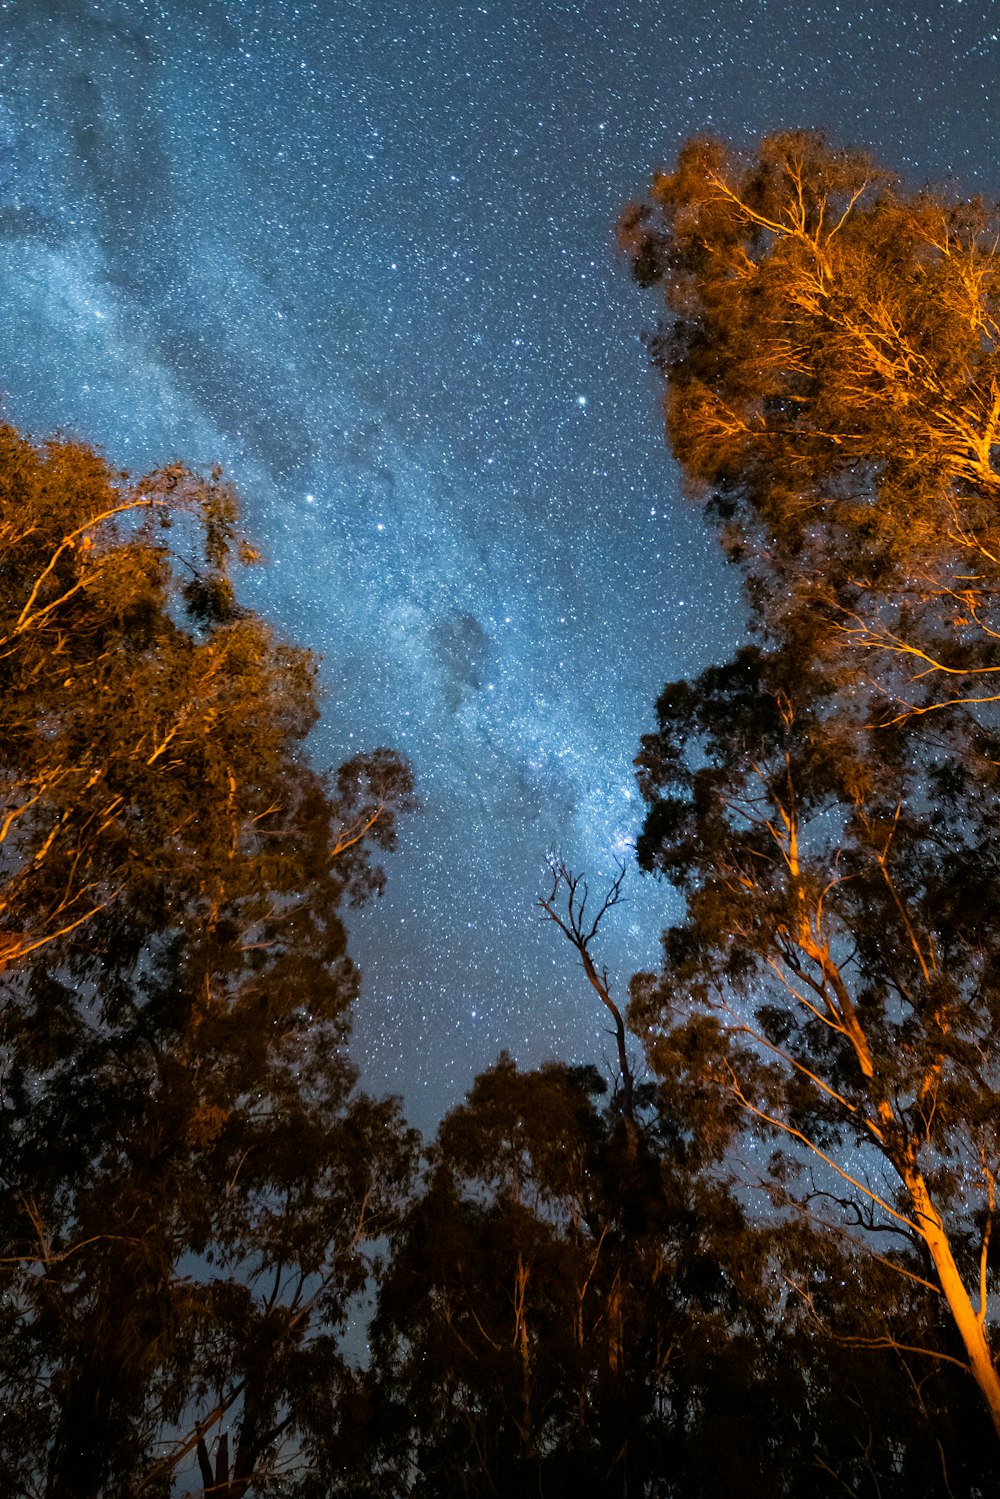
(763, 1259)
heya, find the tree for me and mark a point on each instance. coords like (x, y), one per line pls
(526, 1329)
(831, 354)
(835, 976)
(190, 1187)
(566, 906)
(79, 718)
(568, 1311)
(832, 381)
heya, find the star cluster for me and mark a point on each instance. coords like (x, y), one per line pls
(363, 256)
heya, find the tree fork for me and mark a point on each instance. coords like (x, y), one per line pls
(982, 1364)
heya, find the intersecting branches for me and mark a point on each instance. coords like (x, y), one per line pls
(566, 905)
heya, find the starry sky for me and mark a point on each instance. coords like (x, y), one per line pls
(363, 256)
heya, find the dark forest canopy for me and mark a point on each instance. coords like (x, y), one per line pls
(189, 1184)
(765, 1262)
(827, 800)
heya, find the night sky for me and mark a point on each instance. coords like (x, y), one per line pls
(362, 255)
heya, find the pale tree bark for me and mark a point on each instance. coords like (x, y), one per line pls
(813, 979)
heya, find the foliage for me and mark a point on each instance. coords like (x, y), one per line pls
(832, 381)
(188, 1182)
(572, 1309)
(584, 1295)
(832, 367)
(527, 1324)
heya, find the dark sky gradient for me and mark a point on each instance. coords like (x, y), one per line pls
(363, 256)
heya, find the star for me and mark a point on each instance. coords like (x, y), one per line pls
(368, 311)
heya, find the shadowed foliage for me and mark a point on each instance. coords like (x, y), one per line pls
(190, 1186)
(826, 801)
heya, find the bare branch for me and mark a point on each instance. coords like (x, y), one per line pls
(566, 905)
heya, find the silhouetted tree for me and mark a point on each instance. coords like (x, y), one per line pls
(565, 1314)
(189, 1186)
(566, 906)
(832, 381)
(527, 1326)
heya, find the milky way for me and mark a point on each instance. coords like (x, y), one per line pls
(363, 257)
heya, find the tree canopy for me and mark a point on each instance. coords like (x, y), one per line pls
(188, 1180)
(767, 1259)
(831, 354)
(832, 385)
